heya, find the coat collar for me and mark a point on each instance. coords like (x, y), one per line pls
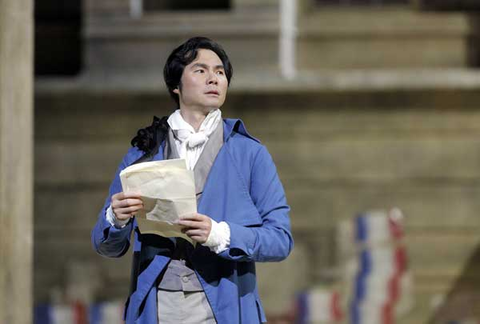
(232, 126)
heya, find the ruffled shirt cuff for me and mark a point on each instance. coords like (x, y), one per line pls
(113, 220)
(219, 237)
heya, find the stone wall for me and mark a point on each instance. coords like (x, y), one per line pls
(337, 152)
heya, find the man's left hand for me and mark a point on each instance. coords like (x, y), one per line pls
(196, 226)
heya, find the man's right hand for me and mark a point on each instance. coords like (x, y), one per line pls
(126, 205)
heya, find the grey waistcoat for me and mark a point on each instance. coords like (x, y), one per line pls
(179, 276)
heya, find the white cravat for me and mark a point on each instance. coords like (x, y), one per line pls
(189, 143)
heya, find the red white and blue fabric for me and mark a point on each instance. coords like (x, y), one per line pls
(108, 312)
(78, 313)
(377, 284)
(318, 306)
(377, 228)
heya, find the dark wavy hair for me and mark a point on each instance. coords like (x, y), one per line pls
(186, 54)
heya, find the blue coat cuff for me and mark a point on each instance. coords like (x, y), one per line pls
(113, 242)
(242, 243)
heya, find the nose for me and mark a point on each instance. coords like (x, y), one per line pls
(212, 78)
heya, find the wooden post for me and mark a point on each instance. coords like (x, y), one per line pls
(16, 161)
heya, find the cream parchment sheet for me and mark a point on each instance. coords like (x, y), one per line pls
(167, 190)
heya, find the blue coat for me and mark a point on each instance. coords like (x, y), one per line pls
(242, 189)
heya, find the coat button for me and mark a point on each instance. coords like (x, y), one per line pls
(185, 279)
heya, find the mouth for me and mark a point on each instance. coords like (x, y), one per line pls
(212, 92)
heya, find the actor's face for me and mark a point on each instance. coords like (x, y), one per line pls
(203, 84)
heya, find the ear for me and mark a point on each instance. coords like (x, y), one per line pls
(176, 91)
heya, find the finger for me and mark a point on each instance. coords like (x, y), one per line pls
(125, 195)
(118, 196)
(195, 231)
(191, 224)
(129, 210)
(132, 194)
(127, 203)
(133, 202)
(192, 231)
(190, 217)
(195, 216)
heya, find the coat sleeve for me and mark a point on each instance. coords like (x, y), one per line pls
(272, 239)
(108, 240)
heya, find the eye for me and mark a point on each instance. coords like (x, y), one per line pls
(200, 71)
(220, 72)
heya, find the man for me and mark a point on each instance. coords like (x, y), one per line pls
(242, 211)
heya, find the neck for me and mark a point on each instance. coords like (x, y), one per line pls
(194, 118)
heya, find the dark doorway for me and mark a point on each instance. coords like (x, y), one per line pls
(58, 41)
(156, 5)
(362, 2)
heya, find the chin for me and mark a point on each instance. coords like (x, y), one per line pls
(213, 105)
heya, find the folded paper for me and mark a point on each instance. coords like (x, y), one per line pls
(167, 190)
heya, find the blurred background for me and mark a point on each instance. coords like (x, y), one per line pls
(370, 109)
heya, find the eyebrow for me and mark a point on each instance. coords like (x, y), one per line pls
(205, 66)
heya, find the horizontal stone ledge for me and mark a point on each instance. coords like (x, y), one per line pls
(429, 282)
(111, 31)
(295, 185)
(327, 21)
(57, 238)
(353, 183)
(60, 120)
(265, 136)
(456, 83)
(318, 128)
(309, 186)
(69, 188)
(73, 222)
(390, 160)
(428, 210)
(162, 25)
(382, 21)
(315, 184)
(467, 225)
(379, 159)
(388, 33)
(436, 252)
